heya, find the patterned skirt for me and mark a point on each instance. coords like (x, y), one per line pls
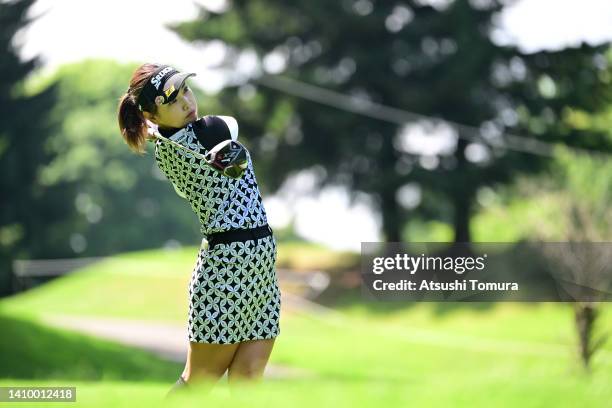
(234, 294)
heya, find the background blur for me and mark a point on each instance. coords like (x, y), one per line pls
(420, 120)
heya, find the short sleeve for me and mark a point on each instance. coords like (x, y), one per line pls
(232, 125)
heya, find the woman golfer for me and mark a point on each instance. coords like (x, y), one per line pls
(234, 298)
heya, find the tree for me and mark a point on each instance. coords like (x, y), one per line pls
(436, 61)
(24, 127)
(581, 188)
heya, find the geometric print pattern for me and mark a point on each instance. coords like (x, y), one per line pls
(221, 203)
(233, 292)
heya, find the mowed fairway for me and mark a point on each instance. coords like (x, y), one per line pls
(426, 354)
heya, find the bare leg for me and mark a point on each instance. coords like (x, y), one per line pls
(206, 363)
(250, 361)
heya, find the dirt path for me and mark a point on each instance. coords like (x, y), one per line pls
(167, 340)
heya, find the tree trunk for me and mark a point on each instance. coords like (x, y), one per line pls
(462, 197)
(391, 217)
(461, 222)
(585, 315)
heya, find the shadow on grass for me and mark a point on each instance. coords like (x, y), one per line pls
(32, 351)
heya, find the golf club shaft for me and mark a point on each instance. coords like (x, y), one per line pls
(210, 163)
(157, 135)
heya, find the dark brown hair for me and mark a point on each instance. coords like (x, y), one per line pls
(132, 122)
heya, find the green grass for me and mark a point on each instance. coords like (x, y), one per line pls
(365, 363)
(148, 285)
(310, 256)
(29, 350)
(544, 322)
(332, 393)
(374, 354)
(102, 394)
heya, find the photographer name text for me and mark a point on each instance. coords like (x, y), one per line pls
(465, 284)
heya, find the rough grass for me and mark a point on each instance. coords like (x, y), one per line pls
(425, 354)
(357, 363)
(29, 350)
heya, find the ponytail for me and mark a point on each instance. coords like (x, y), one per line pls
(132, 123)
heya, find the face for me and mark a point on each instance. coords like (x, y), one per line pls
(178, 113)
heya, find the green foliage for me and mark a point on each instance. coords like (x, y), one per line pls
(436, 61)
(582, 186)
(586, 178)
(24, 127)
(427, 231)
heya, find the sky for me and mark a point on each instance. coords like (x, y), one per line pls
(71, 30)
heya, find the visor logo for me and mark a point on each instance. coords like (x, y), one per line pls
(169, 91)
(156, 81)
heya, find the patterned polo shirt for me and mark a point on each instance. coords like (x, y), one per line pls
(220, 203)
